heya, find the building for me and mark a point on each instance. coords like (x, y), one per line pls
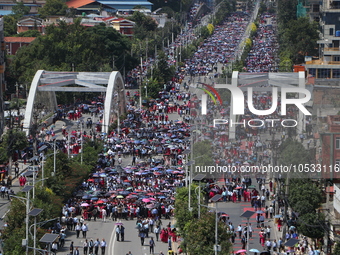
(330, 147)
(84, 7)
(123, 26)
(125, 5)
(7, 5)
(327, 66)
(14, 43)
(29, 23)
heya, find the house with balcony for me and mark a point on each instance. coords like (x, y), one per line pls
(327, 66)
(123, 26)
(7, 5)
(29, 23)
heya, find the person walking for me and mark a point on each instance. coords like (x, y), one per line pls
(76, 251)
(91, 245)
(71, 248)
(156, 231)
(117, 233)
(239, 230)
(122, 233)
(142, 237)
(103, 246)
(85, 247)
(84, 229)
(96, 246)
(78, 228)
(103, 215)
(152, 245)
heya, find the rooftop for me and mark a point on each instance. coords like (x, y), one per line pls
(20, 39)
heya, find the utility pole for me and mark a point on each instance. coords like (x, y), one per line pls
(141, 81)
(284, 230)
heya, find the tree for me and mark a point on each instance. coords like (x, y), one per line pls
(20, 10)
(163, 72)
(15, 231)
(14, 140)
(304, 196)
(203, 153)
(336, 250)
(29, 33)
(300, 37)
(287, 11)
(71, 45)
(200, 236)
(293, 154)
(53, 7)
(311, 225)
(10, 25)
(210, 28)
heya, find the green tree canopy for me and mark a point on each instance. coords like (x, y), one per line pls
(10, 25)
(304, 196)
(203, 152)
(293, 153)
(200, 236)
(53, 7)
(14, 140)
(299, 37)
(29, 33)
(20, 10)
(311, 225)
(163, 72)
(72, 45)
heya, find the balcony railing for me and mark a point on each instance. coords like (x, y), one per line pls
(332, 49)
(322, 62)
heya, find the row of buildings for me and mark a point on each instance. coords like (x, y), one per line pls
(85, 6)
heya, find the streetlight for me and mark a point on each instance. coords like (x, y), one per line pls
(54, 156)
(247, 214)
(35, 212)
(214, 199)
(199, 178)
(141, 81)
(26, 189)
(146, 88)
(49, 239)
(39, 224)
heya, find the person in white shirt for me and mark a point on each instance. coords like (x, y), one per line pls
(239, 230)
(103, 215)
(103, 246)
(84, 229)
(268, 244)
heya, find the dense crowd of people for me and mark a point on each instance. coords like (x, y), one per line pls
(263, 54)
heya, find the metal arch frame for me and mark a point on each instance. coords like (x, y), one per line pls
(114, 83)
(115, 79)
(30, 101)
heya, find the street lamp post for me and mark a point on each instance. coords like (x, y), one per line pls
(69, 143)
(26, 189)
(247, 214)
(81, 143)
(35, 212)
(54, 156)
(199, 178)
(141, 82)
(214, 199)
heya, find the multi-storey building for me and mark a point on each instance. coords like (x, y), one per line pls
(327, 66)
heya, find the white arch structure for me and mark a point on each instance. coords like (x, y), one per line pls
(46, 83)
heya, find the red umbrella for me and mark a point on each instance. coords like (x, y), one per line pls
(150, 194)
(100, 202)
